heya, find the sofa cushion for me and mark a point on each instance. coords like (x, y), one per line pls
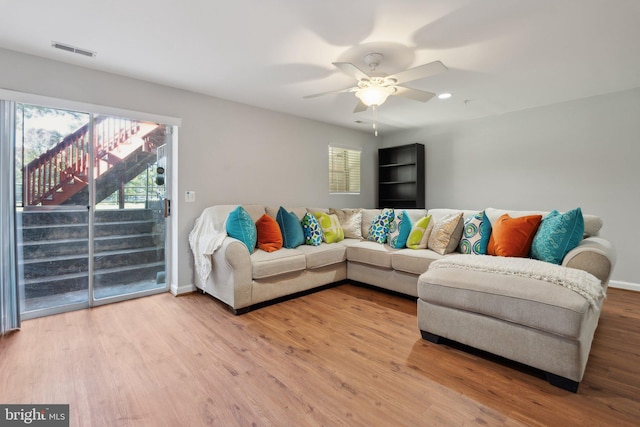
(323, 255)
(350, 221)
(292, 235)
(512, 237)
(446, 233)
(273, 211)
(412, 261)
(269, 234)
(241, 226)
(367, 217)
(521, 300)
(268, 264)
(371, 253)
(558, 234)
(254, 211)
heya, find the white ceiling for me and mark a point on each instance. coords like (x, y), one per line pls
(502, 55)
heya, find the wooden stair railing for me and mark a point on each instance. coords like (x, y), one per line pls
(63, 171)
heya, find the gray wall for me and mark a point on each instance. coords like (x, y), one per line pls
(228, 153)
(580, 153)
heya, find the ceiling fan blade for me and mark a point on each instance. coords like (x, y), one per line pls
(349, 89)
(415, 94)
(352, 70)
(419, 72)
(360, 107)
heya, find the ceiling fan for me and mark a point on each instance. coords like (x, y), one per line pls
(374, 87)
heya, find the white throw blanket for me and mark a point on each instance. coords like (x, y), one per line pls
(206, 237)
(580, 281)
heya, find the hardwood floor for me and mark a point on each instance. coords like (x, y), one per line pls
(344, 356)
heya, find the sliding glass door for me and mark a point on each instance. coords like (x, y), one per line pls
(90, 208)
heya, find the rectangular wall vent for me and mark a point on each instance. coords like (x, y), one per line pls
(73, 49)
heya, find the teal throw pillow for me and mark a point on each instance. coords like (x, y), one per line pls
(399, 230)
(311, 230)
(292, 235)
(475, 235)
(557, 235)
(380, 226)
(240, 226)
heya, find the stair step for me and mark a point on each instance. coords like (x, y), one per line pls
(118, 215)
(129, 274)
(51, 217)
(67, 264)
(68, 247)
(39, 233)
(64, 283)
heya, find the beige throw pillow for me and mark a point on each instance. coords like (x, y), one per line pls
(446, 234)
(350, 221)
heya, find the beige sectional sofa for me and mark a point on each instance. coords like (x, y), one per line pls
(508, 316)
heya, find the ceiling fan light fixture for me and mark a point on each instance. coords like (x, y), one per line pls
(445, 95)
(374, 95)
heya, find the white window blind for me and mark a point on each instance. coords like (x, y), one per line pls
(344, 170)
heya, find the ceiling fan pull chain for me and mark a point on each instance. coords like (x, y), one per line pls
(375, 119)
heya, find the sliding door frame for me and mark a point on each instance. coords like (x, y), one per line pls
(170, 245)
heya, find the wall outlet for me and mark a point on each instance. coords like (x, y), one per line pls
(189, 196)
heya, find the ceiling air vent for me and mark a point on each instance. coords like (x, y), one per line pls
(73, 49)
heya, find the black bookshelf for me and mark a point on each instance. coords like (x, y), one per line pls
(401, 181)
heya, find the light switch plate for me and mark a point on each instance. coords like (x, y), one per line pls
(189, 196)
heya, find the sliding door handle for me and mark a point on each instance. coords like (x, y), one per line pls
(167, 207)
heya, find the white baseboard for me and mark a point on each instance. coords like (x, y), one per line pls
(624, 285)
(184, 289)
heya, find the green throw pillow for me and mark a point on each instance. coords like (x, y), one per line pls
(419, 235)
(331, 230)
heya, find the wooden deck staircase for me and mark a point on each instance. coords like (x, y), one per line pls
(122, 148)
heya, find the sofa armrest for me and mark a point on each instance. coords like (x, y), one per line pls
(594, 255)
(231, 278)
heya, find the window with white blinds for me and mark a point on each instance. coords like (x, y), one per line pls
(344, 170)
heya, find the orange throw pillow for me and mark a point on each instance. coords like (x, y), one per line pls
(513, 236)
(269, 234)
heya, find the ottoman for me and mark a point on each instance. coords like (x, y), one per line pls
(512, 312)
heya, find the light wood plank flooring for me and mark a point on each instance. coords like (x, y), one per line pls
(346, 356)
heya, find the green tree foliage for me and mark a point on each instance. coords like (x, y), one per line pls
(41, 128)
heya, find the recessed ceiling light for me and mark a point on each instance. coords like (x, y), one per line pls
(445, 95)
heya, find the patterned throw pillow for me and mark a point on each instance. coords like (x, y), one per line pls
(331, 230)
(399, 230)
(311, 230)
(446, 234)
(292, 235)
(350, 221)
(420, 232)
(239, 225)
(475, 235)
(380, 226)
(558, 234)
